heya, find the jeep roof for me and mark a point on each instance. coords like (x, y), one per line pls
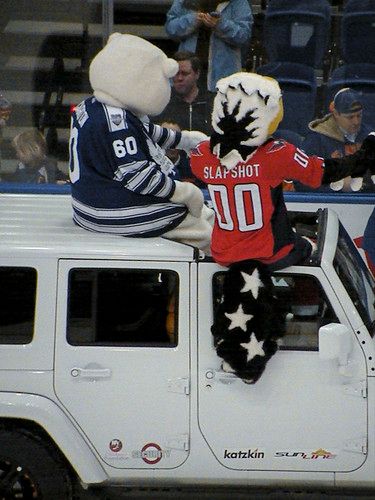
(43, 224)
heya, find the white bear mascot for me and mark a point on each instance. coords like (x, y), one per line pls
(122, 181)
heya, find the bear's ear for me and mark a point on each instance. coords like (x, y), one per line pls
(113, 37)
(170, 67)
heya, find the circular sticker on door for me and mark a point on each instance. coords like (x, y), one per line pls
(151, 453)
(115, 445)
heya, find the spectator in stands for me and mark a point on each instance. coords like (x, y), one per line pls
(5, 111)
(216, 31)
(34, 165)
(190, 107)
(340, 132)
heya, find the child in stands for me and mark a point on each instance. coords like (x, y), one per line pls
(34, 165)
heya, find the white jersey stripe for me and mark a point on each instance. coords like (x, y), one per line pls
(117, 213)
(123, 229)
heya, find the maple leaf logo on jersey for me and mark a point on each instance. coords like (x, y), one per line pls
(276, 146)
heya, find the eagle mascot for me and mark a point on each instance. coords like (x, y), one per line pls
(244, 169)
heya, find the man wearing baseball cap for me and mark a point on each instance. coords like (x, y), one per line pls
(340, 132)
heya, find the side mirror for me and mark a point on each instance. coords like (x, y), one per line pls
(335, 342)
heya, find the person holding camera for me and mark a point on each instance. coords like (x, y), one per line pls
(215, 31)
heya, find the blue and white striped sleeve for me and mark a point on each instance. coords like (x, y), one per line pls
(166, 138)
(145, 177)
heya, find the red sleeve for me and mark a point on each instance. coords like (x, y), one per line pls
(198, 159)
(292, 163)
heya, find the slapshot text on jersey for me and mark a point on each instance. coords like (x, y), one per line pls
(240, 171)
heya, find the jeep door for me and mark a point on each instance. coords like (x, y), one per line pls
(305, 413)
(122, 358)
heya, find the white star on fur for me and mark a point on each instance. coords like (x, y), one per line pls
(253, 347)
(252, 283)
(238, 319)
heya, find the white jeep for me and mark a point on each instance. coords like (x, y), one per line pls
(108, 374)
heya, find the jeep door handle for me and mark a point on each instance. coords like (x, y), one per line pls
(221, 376)
(92, 373)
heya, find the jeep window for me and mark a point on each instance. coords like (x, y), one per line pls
(307, 309)
(305, 304)
(356, 278)
(122, 307)
(17, 311)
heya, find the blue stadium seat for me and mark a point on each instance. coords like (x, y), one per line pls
(358, 32)
(297, 31)
(358, 53)
(298, 85)
(289, 136)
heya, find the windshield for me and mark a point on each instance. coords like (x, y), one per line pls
(356, 278)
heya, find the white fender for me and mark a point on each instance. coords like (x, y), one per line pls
(53, 420)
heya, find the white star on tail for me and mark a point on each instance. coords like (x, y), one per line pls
(238, 318)
(252, 283)
(227, 368)
(253, 347)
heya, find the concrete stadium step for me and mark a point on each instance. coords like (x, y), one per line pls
(52, 45)
(34, 63)
(52, 10)
(40, 80)
(47, 28)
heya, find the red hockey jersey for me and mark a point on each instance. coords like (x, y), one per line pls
(251, 218)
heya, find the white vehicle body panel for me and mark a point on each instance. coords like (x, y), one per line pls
(169, 415)
(137, 385)
(68, 438)
(300, 397)
(42, 226)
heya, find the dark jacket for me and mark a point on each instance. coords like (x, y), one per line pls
(45, 173)
(327, 140)
(194, 116)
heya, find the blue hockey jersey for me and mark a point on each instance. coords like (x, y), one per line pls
(121, 179)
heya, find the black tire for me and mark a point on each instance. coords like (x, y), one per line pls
(31, 469)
